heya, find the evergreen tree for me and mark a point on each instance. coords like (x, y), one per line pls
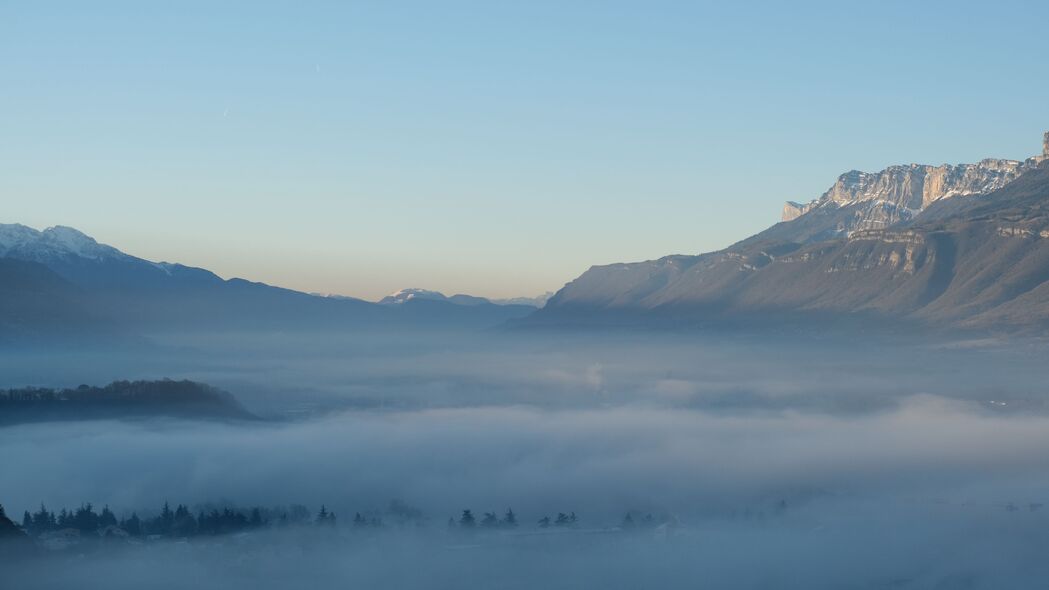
(510, 519)
(490, 520)
(358, 521)
(167, 520)
(467, 520)
(256, 518)
(85, 518)
(628, 522)
(184, 524)
(43, 521)
(132, 525)
(106, 518)
(544, 522)
(65, 519)
(325, 518)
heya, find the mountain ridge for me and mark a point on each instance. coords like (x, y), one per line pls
(975, 262)
(93, 287)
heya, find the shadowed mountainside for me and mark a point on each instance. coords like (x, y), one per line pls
(981, 262)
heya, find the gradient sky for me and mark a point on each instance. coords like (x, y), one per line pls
(494, 148)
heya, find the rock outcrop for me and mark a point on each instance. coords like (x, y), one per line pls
(979, 262)
(898, 193)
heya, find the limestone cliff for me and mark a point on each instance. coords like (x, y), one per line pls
(898, 193)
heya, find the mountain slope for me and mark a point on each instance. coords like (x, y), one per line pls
(158, 296)
(981, 263)
(37, 305)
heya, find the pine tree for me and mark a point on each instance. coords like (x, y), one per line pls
(510, 520)
(167, 519)
(467, 520)
(326, 518)
(107, 518)
(132, 525)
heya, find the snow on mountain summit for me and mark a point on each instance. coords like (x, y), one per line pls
(405, 295)
(17, 240)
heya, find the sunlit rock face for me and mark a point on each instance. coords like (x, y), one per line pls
(959, 246)
(899, 193)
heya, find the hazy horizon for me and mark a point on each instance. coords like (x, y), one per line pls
(853, 398)
(498, 151)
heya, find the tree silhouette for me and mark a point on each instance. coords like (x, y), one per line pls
(628, 522)
(324, 517)
(467, 519)
(510, 519)
(107, 518)
(132, 525)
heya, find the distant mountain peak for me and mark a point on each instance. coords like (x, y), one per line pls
(412, 293)
(416, 294)
(20, 241)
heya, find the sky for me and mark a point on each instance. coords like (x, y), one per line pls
(492, 148)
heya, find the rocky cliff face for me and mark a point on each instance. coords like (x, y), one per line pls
(976, 262)
(898, 193)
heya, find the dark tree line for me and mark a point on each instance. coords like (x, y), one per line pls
(181, 522)
(177, 522)
(489, 520)
(118, 399)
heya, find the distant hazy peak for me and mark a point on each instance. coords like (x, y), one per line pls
(416, 294)
(405, 295)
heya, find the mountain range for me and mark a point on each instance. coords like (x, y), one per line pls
(60, 282)
(963, 246)
(951, 246)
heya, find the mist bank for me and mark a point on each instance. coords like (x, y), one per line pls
(597, 462)
(294, 376)
(934, 493)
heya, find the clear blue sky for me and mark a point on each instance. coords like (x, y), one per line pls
(496, 148)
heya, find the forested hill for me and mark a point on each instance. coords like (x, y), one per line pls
(120, 400)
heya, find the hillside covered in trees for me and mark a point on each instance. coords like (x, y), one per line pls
(120, 399)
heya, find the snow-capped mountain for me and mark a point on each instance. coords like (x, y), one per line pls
(137, 294)
(25, 243)
(415, 294)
